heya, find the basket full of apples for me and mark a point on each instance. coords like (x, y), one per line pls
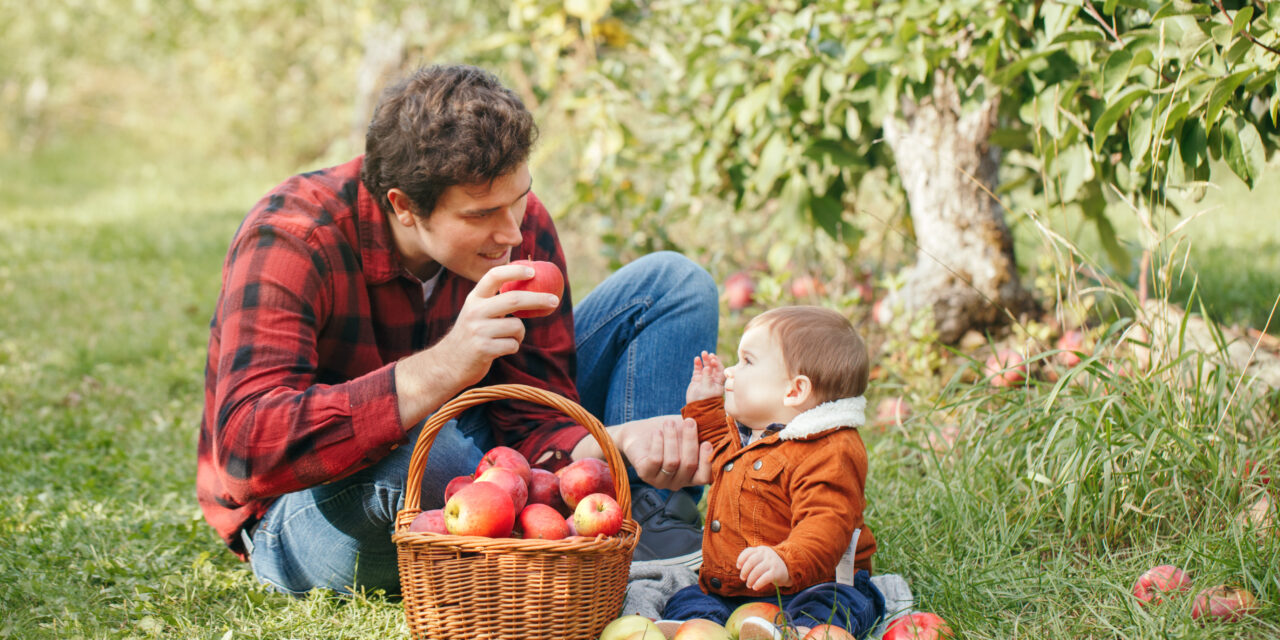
(516, 552)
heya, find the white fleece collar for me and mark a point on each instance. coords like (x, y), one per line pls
(845, 412)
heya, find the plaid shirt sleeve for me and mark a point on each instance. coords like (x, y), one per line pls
(278, 426)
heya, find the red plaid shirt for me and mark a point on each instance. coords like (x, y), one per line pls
(314, 312)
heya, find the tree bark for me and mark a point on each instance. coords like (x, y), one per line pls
(965, 270)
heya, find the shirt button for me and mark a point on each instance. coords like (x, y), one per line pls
(715, 583)
(757, 465)
(395, 446)
(728, 467)
(715, 526)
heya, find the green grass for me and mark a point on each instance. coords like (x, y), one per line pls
(1034, 525)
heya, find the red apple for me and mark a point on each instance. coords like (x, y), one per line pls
(583, 478)
(1006, 368)
(1071, 345)
(881, 312)
(807, 286)
(1152, 585)
(892, 411)
(455, 484)
(828, 632)
(568, 522)
(546, 279)
(541, 522)
(508, 458)
(510, 482)
(432, 520)
(1255, 471)
(917, 626)
(765, 610)
(597, 514)
(700, 629)
(739, 290)
(626, 627)
(480, 509)
(865, 292)
(1223, 602)
(544, 488)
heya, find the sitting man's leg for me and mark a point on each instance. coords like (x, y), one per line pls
(338, 536)
(637, 334)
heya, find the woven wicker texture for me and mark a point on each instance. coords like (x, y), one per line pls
(458, 587)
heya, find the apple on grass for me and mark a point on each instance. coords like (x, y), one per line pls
(893, 410)
(507, 458)
(700, 629)
(584, 477)
(547, 278)
(597, 514)
(480, 509)
(1153, 584)
(918, 626)
(432, 521)
(1224, 603)
(1006, 368)
(627, 626)
(828, 632)
(455, 484)
(542, 522)
(510, 482)
(1070, 346)
(807, 286)
(739, 291)
(768, 611)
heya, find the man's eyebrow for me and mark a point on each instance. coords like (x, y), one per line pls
(472, 212)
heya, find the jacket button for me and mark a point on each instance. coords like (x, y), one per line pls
(728, 467)
(715, 526)
(757, 465)
(715, 583)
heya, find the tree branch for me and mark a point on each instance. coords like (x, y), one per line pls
(1245, 32)
(1093, 13)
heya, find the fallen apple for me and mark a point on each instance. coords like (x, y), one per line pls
(544, 488)
(766, 610)
(597, 514)
(542, 522)
(1071, 346)
(806, 287)
(626, 626)
(918, 626)
(455, 484)
(510, 482)
(432, 521)
(739, 291)
(1224, 603)
(507, 458)
(547, 278)
(480, 509)
(700, 629)
(584, 477)
(1155, 582)
(892, 411)
(828, 632)
(1006, 368)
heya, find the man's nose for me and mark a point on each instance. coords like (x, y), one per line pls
(508, 232)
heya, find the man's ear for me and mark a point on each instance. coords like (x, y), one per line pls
(798, 392)
(402, 207)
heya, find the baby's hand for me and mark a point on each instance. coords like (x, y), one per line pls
(707, 380)
(761, 567)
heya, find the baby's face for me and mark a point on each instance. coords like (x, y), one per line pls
(754, 388)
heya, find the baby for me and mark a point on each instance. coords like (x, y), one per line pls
(788, 473)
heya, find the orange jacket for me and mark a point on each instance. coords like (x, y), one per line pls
(799, 490)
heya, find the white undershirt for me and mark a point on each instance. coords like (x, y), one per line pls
(430, 285)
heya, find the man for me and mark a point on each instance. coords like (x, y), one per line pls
(358, 299)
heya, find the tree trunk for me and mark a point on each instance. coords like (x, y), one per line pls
(965, 269)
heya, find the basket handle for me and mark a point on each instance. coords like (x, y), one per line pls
(481, 395)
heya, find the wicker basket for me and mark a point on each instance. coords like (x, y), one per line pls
(458, 587)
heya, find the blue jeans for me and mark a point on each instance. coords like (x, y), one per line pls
(636, 336)
(855, 608)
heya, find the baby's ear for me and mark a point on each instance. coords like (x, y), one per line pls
(798, 392)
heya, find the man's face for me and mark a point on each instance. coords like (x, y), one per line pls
(472, 229)
(754, 388)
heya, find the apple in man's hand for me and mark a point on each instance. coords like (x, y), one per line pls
(546, 279)
(510, 482)
(480, 509)
(597, 514)
(583, 478)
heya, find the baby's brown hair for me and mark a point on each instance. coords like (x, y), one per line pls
(822, 344)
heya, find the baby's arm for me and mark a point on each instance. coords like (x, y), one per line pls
(761, 567)
(707, 380)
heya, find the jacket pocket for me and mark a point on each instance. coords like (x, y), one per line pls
(769, 519)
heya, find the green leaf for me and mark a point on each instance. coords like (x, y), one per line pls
(1110, 7)
(1241, 22)
(828, 212)
(852, 124)
(812, 88)
(1140, 124)
(1194, 145)
(1222, 92)
(750, 106)
(1177, 8)
(1243, 149)
(1080, 35)
(1075, 168)
(1115, 71)
(1016, 68)
(772, 158)
(1238, 51)
(1107, 121)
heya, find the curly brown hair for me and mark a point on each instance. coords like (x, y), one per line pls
(444, 126)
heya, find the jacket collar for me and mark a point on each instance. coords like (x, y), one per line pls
(837, 414)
